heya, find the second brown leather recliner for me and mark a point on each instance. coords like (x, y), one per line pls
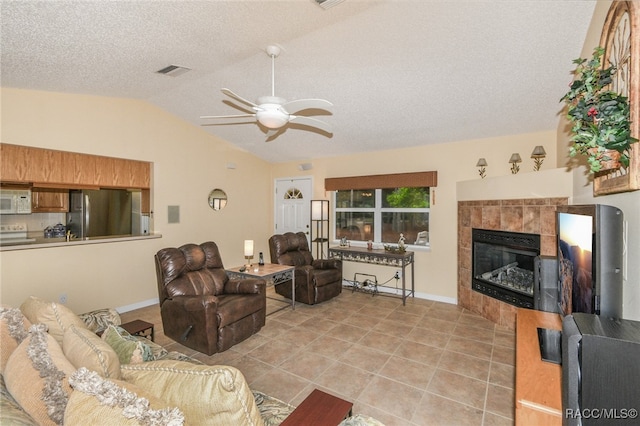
(316, 280)
(202, 308)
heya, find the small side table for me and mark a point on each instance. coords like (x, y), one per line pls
(319, 409)
(273, 273)
(139, 328)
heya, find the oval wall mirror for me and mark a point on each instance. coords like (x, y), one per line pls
(217, 199)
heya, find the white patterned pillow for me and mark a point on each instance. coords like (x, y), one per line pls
(130, 349)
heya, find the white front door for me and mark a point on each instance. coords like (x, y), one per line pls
(293, 204)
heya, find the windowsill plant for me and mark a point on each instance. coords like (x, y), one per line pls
(600, 117)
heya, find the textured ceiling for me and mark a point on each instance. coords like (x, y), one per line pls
(399, 73)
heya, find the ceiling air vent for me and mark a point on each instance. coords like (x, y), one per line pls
(173, 70)
(326, 4)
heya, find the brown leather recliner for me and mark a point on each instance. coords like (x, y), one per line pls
(316, 280)
(201, 307)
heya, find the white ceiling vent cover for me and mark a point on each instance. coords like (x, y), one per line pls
(326, 4)
(173, 70)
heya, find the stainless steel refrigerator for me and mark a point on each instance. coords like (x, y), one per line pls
(100, 213)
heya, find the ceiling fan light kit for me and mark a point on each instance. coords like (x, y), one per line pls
(274, 112)
(272, 116)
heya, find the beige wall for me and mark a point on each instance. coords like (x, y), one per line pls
(436, 270)
(188, 164)
(628, 202)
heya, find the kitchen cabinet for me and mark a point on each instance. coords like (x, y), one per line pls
(79, 170)
(62, 169)
(121, 173)
(27, 164)
(45, 200)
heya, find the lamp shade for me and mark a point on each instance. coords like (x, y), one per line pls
(515, 158)
(319, 209)
(248, 248)
(538, 152)
(481, 163)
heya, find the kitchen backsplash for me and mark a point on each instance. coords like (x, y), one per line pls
(34, 221)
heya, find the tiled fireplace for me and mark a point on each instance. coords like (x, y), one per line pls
(533, 216)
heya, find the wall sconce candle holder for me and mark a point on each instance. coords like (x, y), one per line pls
(538, 156)
(514, 160)
(482, 167)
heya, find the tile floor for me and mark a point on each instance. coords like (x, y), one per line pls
(426, 363)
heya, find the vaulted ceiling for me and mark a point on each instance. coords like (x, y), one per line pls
(399, 73)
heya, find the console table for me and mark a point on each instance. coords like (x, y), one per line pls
(379, 257)
(273, 273)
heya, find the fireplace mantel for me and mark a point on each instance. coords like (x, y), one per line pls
(551, 183)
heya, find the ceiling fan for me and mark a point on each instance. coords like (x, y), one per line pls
(276, 113)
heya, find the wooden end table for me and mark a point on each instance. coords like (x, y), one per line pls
(139, 328)
(273, 273)
(319, 409)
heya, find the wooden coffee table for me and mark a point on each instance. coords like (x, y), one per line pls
(319, 409)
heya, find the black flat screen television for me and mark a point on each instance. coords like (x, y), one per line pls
(600, 368)
(590, 259)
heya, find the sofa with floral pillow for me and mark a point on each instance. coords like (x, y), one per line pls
(55, 369)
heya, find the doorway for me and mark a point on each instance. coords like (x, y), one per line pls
(292, 205)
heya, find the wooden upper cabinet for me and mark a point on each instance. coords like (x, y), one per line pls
(79, 169)
(45, 165)
(139, 174)
(14, 163)
(45, 200)
(63, 169)
(26, 164)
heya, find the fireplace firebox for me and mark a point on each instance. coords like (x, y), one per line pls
(503, 265)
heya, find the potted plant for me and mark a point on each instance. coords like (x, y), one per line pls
(600, 117)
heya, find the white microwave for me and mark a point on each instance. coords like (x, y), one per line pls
(15, 201)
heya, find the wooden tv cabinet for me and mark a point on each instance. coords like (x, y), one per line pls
(538, 382)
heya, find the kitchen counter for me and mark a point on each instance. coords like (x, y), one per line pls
(42, 242)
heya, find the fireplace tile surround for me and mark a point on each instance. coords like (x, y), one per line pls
(531, 215)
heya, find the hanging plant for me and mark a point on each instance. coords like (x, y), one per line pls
(600, 117)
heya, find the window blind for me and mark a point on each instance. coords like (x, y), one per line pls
(395, 180)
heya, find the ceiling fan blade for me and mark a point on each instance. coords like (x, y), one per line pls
(206, 117)
(312, 122)
(239, 106)
(301, 104)
(235, 123)
(238, 97)
(274, 133)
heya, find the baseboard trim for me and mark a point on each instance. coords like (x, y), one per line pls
(139, 305)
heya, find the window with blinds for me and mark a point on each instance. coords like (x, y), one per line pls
(383, 208)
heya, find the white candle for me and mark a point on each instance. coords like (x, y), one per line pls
(248, 248)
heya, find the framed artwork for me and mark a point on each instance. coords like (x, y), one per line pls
(621, 40)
